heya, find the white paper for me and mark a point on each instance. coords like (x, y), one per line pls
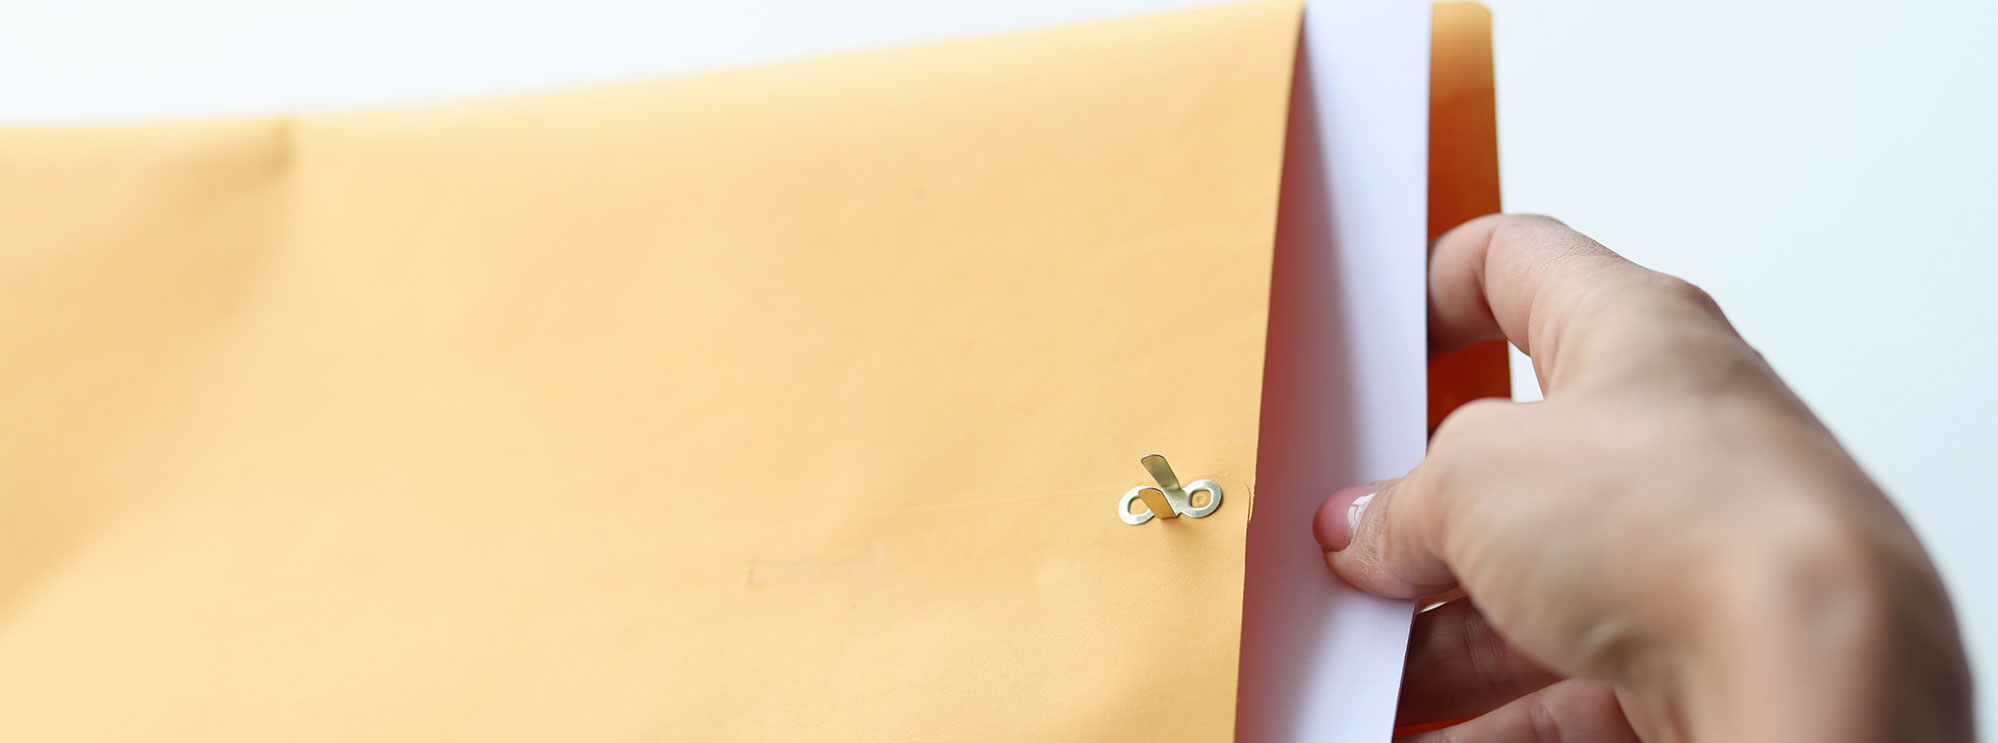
(1345, 390)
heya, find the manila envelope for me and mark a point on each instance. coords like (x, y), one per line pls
(794, 402)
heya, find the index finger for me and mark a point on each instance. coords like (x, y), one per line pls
(1559, 296)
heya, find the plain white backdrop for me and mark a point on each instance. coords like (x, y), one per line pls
(1827, 169)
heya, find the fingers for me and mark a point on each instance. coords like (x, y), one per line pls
(1459, 667)
(1552, 292)
(1573, 711)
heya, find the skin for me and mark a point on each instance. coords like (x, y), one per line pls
(1669, 548)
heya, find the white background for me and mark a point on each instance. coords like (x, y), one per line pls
(1828, 170)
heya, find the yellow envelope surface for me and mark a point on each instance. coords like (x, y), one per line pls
(784, 403)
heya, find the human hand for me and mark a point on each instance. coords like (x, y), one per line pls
(1670, 547)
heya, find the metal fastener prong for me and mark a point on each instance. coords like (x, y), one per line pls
(1168, 499)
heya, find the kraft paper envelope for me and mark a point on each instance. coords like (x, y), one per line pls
(783, 403)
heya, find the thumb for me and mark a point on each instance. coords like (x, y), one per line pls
(1382, 539)
(1395, 538)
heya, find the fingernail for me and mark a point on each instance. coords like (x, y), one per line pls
(1340, 516)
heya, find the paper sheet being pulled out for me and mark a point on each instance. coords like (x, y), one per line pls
(1344, 391)
(776, 404)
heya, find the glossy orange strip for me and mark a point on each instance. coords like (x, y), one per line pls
(1463, 181)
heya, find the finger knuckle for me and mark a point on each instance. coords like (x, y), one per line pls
(1527, 219)
(1522, 229)
(1470, 426)
(1544, 720)
(1489, 656)
(1682, 292)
